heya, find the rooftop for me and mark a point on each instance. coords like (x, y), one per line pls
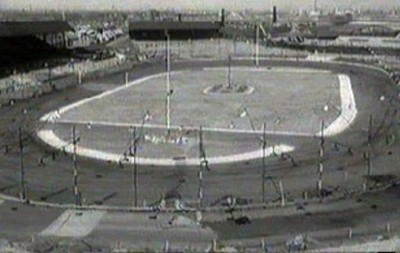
(174, 25)
(29, 28)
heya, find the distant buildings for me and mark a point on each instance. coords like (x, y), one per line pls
(85, 35)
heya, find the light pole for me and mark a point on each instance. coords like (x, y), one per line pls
(168, 83)
(22, 169)
(49, 77)
(321, 158)
(369, 147)
(76, 191)
(257, 44)
(134, 155)
(203, 164)
(264, 146)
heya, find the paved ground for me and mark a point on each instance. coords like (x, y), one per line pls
(325, 224)
(35, 225)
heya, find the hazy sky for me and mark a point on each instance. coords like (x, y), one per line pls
(191, 4)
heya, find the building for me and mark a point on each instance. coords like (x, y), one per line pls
(176, 29)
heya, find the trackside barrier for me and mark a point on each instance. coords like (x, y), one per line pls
(218, 209)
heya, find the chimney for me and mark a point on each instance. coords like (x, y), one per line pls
(223, 17)
(274, 15)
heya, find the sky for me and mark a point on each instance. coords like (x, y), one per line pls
(192, 4)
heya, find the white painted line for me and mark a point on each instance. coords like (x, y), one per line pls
(74, 224)
(51, 139)
(348, 109)
(172, 127)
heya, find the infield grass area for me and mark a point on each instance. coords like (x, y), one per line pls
(287, 100)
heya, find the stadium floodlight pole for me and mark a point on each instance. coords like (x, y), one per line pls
(22, 169)
(168, 82)
(321, 158)
(264, 146)
(75, 140)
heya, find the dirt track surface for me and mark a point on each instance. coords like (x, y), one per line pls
(108, 184)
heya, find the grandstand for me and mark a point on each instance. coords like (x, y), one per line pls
(20, 43)
(177, 30)
(362, 41)
(25, 73)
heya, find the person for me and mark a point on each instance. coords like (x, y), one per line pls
(349, 151)
(231, 202)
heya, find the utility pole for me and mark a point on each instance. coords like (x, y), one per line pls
(321, 158)
(76, 191)
(22, 169)
(264, 146)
